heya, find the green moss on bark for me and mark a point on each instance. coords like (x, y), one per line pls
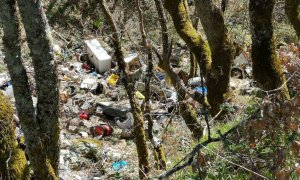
(292, 12)
(267, 70)
(178, 9)
(212, 20)
(10, 154)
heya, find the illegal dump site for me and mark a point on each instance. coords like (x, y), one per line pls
(149, 90)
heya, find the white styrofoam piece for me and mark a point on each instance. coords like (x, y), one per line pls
(131, 57)
(98, 56)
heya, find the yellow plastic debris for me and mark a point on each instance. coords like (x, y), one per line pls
(139, 95)
(112, 79)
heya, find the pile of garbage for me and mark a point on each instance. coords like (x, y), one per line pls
(96, 111)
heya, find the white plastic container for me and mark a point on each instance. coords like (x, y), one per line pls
(97, 55)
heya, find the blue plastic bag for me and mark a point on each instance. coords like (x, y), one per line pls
(200, 90)
(119, 165)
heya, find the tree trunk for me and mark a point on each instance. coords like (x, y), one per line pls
(139, 130)
(178, 9)
(292, 12)
(13, 163)
(193, 65)
(222, 52)
(267, 70)
(26, 112)
(40, 43)
(159, 154)
(187, 112)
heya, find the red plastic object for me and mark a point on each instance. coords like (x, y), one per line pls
(84, 115)
(98, 131)
(86, 66)
(107, 129)
(102, 130)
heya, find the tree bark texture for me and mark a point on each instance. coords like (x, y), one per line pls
(40, 43)
(293, 14)
(267, 70)
(13, 163)
(222, 52)
(139, 131)
(187, 112)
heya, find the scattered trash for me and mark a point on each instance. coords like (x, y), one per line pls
(84, 115)
(8, 90)
(111, 109)
(4, 79)
(132, 61)
(102, 130)
(57, 49)
(201, 90)
(112, 79)
(88, 83)
(86, 66)
(71, 90)
(64, 96)
(241, 66)
(98, 89)
(139, 95)
(119, 165)
(128, 123)
(196, 81)
(84, 134)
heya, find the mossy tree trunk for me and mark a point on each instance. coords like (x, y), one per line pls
(139, 131)
(159, 154)
(222, 51)
(292, 12)
(193, 65)
(267, 70)
(13, 163)
(217, 72)
(178, 9)
(187, 112)
(41, 128)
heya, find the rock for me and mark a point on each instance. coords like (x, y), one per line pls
(73, 129)
(86, 124)
(127, 134)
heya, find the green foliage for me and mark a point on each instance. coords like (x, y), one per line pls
(97, 23)
(227, 107)
(284, 32)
